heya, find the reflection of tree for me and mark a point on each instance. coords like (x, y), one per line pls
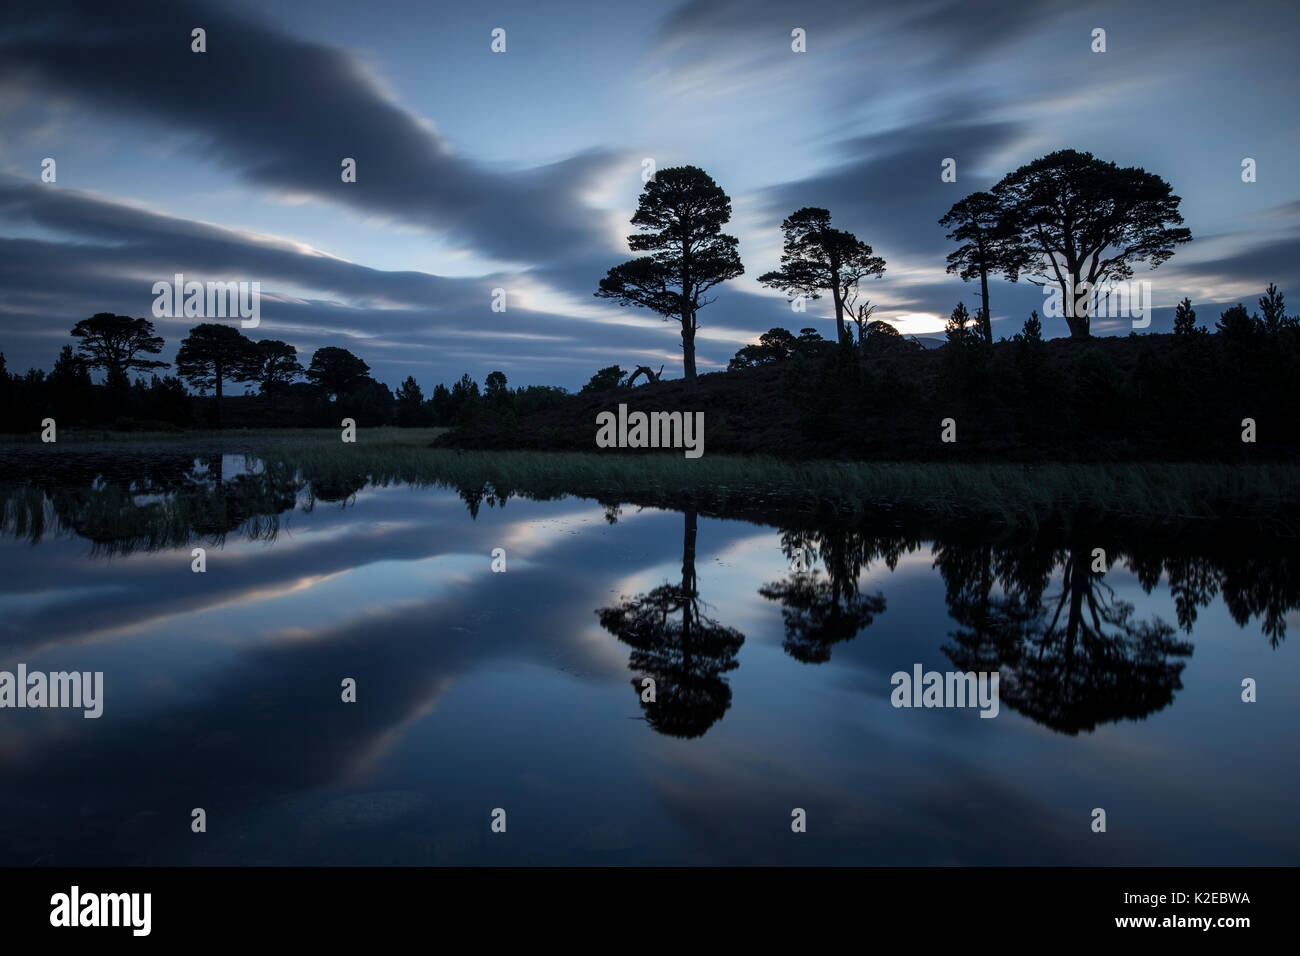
(1253, 573)
(475, 495)
(334, 488)
(1258, 587)
(151, 503)
(1069, 661)
(684, 652)
(822, 610)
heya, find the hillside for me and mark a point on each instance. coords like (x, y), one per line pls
(1149, 397)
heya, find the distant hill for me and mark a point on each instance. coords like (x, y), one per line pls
(927, 341)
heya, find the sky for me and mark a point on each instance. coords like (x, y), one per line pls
(519, 170)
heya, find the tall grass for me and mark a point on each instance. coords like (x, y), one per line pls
(1005, 492)
(1011, 493)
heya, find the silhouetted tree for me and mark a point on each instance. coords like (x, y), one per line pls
(440, 405)
(774, 345)
(810, 343)
(1032, 330)
(273, 364)
(1185, 318)
(1236, 325)
(70, 388)
(818, 259)
(879, 327)
(336, 371)
(608, 377)
(860, 313)
(989, 244)
(368, 401)
(1273, 308)
(1080, 219)
(495, 385)
(958, 329)
(684, 211)
(117, 344)
(466, 401)
(410, 402)
(211, 353)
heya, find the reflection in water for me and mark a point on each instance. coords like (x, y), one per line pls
(1070, 660)
(225, 688)
(1255, 575)
(1030, 605)
(148, 504)
(684, 652)
(823, 610)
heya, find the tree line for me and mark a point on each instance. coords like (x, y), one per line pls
(1066, 219)
(212, 357)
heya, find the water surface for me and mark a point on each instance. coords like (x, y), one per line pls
(522, 690)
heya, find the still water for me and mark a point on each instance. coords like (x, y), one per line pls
(522, 690)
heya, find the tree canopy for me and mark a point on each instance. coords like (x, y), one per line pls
(212, 354)
(1080, 219)
(337, 370)
(982, 225)
(118, 344)
(819, 258)
(681, 212)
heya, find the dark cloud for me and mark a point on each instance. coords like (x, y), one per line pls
(1272, 262)
(890, 193)
(401, 323)
(939, 37)
(284, 113)
(114, 239)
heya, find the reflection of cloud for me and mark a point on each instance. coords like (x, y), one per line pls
(404, 628)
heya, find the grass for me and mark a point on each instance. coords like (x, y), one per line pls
(1004, 492)
(1008, 493)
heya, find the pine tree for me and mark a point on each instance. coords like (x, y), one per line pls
(1185, 319)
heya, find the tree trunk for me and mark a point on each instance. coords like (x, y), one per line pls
(841, 330)
(1078, 327)
(689, 588)
(986, 321)
(1078, 323)
(688, 352)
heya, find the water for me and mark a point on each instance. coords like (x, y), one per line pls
(522, 690)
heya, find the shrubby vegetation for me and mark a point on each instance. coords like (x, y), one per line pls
(1179, 396)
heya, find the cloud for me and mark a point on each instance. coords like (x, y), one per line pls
(95, 254)
(890, 192)
(284, 113)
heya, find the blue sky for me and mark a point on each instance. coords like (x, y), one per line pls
(520, 170)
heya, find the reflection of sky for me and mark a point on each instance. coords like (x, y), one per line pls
(479, 690)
